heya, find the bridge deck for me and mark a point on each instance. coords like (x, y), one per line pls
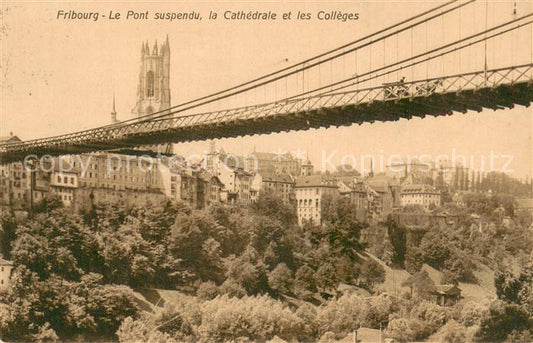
(492, 89)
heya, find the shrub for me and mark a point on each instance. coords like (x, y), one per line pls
(400, 330)
(342, 315)
(133, 331)
(452, 332)
(472, 313)
(207, 291)
(232, 289)
(307, 313)
(431, 313)
(378, 311)
(255, 318)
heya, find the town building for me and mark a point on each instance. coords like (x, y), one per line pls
(14, 181)
(83, 180)
(272, 163)
(360, 195)
(309, 191)
(424, 195)
(447, 295)
(237, 181)
(64, 184)
(179, 183)
(414, 167)
(209, 190)
(11, 139)
(306, 169)
(21, 186)
(280, 184)
(384, 194)
(15, 185)
(113, 171)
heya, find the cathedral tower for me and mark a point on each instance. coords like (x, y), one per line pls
(153, 90)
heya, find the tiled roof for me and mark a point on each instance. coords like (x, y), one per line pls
(444, 289)
(9, 139)
(316, 181)
(274, 177)
(419, 188)
(205, 176)
(272, 156)
(381, 182)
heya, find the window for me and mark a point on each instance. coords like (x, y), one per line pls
(150, 84)
(59, 179)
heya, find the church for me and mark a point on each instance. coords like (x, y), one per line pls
(153, 89)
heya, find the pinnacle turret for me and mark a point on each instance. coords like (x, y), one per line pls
(113, 112)
(146, 48)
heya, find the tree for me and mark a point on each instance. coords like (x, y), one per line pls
(190, 241)
(466, 181)
(341, 229)
(247, 271)
(326, 277)
(398, 239)
(257, 318)
(472, 313)
(8, 227)
(305, 279)
(48, 204)
(133, 331)
(501, 320)
(370, 274)
(109, 305)
(280, 279)
(420, 284)
(342, 316)
(400, 329)
(207, 290)
(451, 332)
(379, 309)
(272, 205)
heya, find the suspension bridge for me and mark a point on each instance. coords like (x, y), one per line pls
(456, 57)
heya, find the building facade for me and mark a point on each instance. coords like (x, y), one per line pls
(280, 184)
(309, 191)
(423, 195)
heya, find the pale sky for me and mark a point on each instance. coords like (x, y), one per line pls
(59, 76)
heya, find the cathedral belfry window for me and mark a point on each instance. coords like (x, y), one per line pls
(150, 84)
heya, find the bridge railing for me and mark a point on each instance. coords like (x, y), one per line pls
(386, 92)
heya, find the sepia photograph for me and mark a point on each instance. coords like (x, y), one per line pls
(266, 171)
